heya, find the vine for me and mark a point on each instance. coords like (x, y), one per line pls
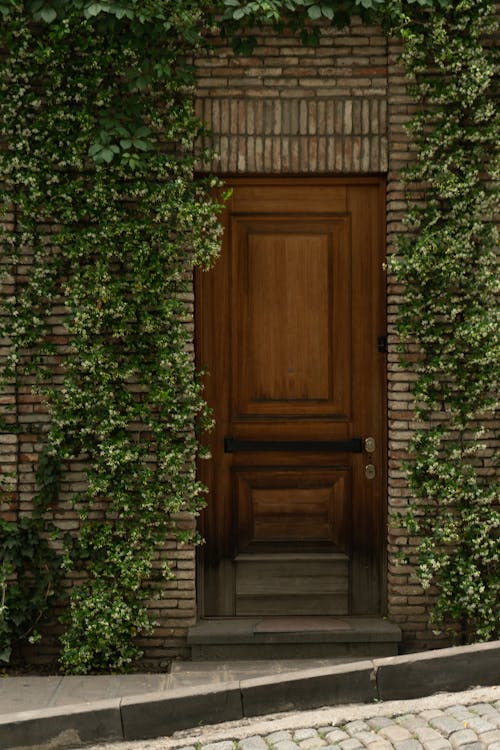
(99, 124)
(98, 129)
(448, 265)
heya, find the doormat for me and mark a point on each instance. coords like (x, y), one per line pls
(299, 624)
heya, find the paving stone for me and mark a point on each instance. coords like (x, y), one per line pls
(493, 719)
(377, 722)
(381, 745)
(322, 731)
(459, 712)
(440, 744)
(336, 736)
(312, 742)
(494, 746)
(304, 734)
(463, 737)
(472, 746)
(484, 708)
(411, 721)
(366, 737)
(395, 733)
(225, 745)
(489, 737)
(286, 745)
(253, 743)
(353, 727)
(431, 713)
(446, 724)
(188, 747)
(479, 725)
(408, 745)
(350, 744)
(275, 737)
(427, 733)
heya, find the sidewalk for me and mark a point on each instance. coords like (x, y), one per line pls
(63, 712)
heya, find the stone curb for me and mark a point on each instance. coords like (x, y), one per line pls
(62, 727)
(157, 714)
(448, 669)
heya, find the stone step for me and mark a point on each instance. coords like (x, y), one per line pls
(297, 637)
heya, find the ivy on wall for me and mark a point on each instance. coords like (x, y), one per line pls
(449, 267)
(98, 130)
(97, 116)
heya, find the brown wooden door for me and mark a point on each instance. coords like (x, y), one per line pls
(287, 328)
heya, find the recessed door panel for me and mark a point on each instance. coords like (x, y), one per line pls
(292, 509)
(292, 316)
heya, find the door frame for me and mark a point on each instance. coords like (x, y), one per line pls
(380, 182)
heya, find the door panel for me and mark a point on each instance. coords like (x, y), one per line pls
(292, 316)
(291, 509)
(287, 325)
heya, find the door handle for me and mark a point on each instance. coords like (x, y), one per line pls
(354, 445)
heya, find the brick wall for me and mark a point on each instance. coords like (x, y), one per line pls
(175, 609)
(407, 604)
(291, 109)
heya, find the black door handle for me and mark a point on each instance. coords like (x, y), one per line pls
(354, 445)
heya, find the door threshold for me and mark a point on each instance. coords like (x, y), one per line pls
(293, 637)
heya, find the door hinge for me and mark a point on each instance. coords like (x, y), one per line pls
(382, 344)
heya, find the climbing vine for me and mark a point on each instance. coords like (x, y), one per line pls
(97, 115)
(448, 264)
(97, 132)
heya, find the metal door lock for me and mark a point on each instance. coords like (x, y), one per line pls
(370, 471)
(370, 445)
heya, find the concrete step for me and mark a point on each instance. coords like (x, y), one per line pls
(297, 637)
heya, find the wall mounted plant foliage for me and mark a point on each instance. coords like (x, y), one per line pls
(449, 267)
(96, 112)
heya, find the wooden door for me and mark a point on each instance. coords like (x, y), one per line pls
(288, 327)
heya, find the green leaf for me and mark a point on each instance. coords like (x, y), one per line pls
(143, 130)
(314, 12)
(48, 14)
(92, 10)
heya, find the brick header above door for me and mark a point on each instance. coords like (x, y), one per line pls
(278, 136)
(292, 109)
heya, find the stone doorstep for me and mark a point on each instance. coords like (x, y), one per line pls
(293, 637)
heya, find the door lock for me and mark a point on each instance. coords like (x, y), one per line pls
(370, 471)
(370, 445)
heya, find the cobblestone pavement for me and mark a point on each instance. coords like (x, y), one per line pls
(449, 721)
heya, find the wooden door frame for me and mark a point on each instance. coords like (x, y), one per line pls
(381, 303)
